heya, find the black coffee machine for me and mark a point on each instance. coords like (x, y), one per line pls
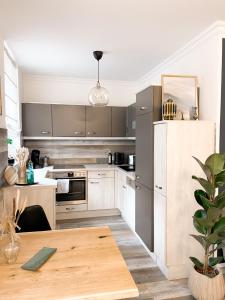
(118, 158)
(35, 158)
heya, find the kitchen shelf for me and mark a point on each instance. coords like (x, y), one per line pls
(53, 138)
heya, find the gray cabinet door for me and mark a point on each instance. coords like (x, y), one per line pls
(144, 101)
(68, 120)
(144, 215)
(131, 120)
(119, 121)
(98, 121)
(36, 119)
(144, 149)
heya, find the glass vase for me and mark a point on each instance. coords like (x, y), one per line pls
(11, 249)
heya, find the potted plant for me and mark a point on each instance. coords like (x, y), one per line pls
(205, 281)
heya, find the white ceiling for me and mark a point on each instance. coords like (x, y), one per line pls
(58, 36)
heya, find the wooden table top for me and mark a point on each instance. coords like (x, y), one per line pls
(86, 265)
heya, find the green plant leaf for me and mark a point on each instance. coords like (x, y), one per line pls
(219, 227)
(220, 200)
(220, 179)
(208, 187)
(201, 239)
(215, 260)
(215, 163)
(202, 199)
(213, 238)
(196, 262)
(205, 168)
(213, 215)
(219, 246)
(199, 219)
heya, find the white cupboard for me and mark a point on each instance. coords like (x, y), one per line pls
(174, 204)
(101, 194)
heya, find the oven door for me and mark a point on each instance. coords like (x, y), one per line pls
(76, 195)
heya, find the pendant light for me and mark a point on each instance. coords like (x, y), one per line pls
(98, 95)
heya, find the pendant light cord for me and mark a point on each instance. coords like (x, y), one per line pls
(98, 72)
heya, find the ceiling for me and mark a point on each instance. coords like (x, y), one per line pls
(57, 37)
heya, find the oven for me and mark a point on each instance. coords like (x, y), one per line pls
(75, 199)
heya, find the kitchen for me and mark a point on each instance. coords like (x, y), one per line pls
(110, 153)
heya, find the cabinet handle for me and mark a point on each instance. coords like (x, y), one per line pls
(89, 133)
(124, 187)
(143, 107)
(137, 177)
(77, 132)
(137, 187)
(160, 187)
(156, 186)
(94, 182)
(44, 132)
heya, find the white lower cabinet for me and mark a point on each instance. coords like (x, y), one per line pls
(125, 198)
(101, 193)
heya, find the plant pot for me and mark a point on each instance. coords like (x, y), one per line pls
(204, 288)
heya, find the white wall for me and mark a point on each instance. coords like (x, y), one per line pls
(2, 117)
(201, 57)
(52, 89)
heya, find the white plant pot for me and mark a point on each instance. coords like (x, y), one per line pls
(204, 288)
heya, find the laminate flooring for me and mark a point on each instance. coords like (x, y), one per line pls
(152, 284)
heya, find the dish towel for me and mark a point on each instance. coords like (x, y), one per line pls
(63, 186)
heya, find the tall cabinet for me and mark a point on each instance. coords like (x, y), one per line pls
(174, 205)
(148, 110)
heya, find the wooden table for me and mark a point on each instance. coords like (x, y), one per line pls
(87, 265)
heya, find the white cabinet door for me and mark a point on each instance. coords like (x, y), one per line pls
(101, 193)
(160, 149)
(95, 194)
(160, 227)
(108, 193)
(130, 206)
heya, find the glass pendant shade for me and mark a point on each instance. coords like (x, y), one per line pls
(98, 96)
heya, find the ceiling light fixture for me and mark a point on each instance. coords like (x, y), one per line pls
(98, 95)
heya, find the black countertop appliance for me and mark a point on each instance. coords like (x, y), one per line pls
(35, 158)
(118, 158)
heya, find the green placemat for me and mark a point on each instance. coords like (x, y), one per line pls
(39, 259)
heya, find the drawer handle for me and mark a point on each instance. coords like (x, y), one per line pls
(89, 133)
(77, 132)
(94, 182)
(44, 132)
(143, 107)
(137, 187)
(137, 177)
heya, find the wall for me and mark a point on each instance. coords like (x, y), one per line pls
(201, 57)
(52, 89)
(2, 117)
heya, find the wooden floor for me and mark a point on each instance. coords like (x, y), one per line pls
(150, 281)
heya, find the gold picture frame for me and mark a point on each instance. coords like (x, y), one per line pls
(184, 91)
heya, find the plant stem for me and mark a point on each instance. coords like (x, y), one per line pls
(206, 264)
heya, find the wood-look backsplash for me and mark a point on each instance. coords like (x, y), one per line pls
(77, 152)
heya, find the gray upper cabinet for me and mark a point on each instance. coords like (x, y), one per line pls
(119, 115)
(131, 120)
(36, 119)
(68, 120)
(145, 99)
(98, 121)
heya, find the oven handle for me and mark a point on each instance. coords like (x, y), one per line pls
(74, 179)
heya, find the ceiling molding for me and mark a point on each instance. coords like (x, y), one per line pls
(216, 29)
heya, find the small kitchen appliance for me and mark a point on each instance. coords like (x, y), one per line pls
(118, 158)
(131, 160)
(35, 158)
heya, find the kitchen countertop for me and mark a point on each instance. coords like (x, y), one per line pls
(86, 265)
